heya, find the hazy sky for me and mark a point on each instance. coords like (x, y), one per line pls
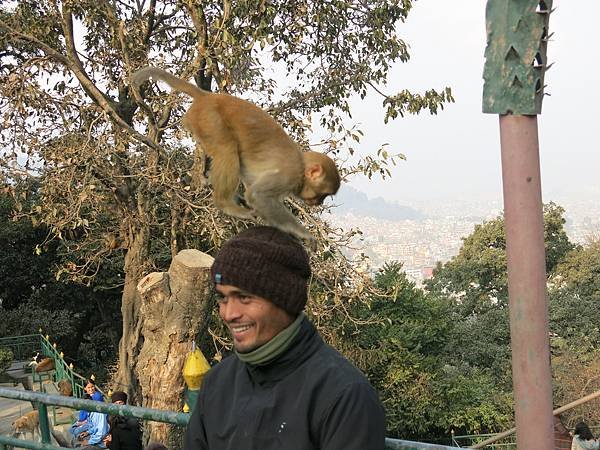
(456, 154)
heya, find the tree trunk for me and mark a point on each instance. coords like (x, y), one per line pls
(129, 346)
(174, 308)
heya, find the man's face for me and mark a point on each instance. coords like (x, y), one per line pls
(252, 320)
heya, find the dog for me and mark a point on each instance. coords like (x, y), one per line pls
(29, 422)
(45, 365)
(35, 360)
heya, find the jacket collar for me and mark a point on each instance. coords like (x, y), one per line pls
(304, 345)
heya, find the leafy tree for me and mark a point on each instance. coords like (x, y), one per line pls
(575, 375)
(579, 269)
(425, 393)
(575, 318)
(476, 283)
(119, 185)
(482, 341)
(476, 279)
(21, 270)
(33, 299)
(575, 326)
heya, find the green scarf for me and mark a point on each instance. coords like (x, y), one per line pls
(275, 347)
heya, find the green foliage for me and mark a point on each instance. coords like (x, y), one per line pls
(6, 358)
(426, 393)
(33, 299)
(476, 283)
(22, 270)
(575, 299)
(556, 241)
(454, 372)
(476, 279)
(28, 318)
(470, 401)
(579, 269)
(482, 341)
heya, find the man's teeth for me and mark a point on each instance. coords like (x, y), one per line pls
(240, 329)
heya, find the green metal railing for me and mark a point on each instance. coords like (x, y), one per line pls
(396, 444)
(62, 369)
(23, 347)
(41, 401)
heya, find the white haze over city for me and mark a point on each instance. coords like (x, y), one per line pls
(454, 157)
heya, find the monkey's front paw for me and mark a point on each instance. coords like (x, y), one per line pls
(240, 212)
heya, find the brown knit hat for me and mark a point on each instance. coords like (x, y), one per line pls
(268, 263)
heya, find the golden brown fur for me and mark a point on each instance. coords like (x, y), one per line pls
(45, 365)
(27, 423)
(247, 144)
(65, 387)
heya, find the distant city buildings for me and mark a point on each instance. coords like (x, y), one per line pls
(420, 244)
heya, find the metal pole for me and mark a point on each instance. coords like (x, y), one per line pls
(44, 423)
(528, 305)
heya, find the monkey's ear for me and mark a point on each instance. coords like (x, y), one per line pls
(314, 171)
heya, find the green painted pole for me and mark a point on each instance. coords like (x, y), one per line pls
(192, 397)
(44, 422)
(22, 443)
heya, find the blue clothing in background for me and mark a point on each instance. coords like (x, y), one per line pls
(98, 429)
(83, 414)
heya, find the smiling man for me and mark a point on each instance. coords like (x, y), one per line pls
(284, 388)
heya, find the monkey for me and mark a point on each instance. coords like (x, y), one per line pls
(246, 144)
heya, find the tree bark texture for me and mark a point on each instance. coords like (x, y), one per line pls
(174, 308)
(129, 346)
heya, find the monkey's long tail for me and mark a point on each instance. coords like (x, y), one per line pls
(176, 83)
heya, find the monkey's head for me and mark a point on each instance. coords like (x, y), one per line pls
(321, 178)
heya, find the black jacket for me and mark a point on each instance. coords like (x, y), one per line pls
(308, 398)
(126, 434)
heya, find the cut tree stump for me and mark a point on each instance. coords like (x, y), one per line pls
(175, 306)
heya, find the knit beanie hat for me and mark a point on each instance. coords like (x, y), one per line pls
(268, 263)
(118, 395)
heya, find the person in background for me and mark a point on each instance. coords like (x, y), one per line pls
(583, 439)
(125, 432)
(81, 425)
(97, 430)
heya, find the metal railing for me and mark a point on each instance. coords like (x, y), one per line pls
(62, 369)
(502, 436)
(467, 441)
(396, 444)
(41, 401)
(22, 347)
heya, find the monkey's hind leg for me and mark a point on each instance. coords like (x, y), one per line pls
(225, 179)
(263, 197)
